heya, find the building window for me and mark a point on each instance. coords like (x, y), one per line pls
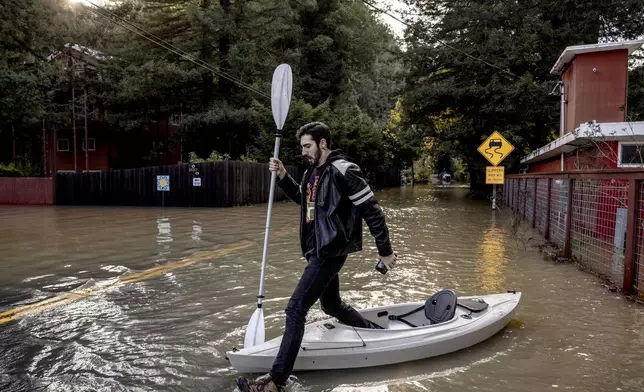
(63, 144)
(92, 144)
(630, 154)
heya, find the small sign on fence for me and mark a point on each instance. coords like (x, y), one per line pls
(196, 181)
(163, 183)
(494, 174)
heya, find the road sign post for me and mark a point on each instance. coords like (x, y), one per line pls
(163, 186)
(494, 175)
(495, 149)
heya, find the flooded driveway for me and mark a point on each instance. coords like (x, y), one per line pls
(148, 299)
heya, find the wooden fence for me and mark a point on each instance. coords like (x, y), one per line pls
(222, 184)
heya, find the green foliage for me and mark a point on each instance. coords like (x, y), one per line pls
(213, 157)
(460, 172)
(347, 71)
(423, 175)
(33, 38)
(635, 104)
(17, 169)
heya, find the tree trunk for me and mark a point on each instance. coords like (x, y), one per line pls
(13, 140)
(74, 125)
(476, 171)
(44, 148)
(158, 138)
(206, 56)
(412, 172)
(86, 138)
(478, 189)
(224, 49)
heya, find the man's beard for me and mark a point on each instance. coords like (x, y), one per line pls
(316, 159)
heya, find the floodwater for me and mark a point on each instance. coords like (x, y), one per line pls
(150, 299)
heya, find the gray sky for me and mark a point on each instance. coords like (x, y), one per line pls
(397, 6)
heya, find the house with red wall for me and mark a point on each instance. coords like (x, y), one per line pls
(592, 194)
(89, 144)
(595, 133)
(158, 145)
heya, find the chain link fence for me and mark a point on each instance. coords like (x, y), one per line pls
(595, 218)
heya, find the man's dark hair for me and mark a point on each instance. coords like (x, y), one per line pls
(317, 130)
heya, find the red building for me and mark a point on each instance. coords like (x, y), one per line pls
(88, 143)
(594, 132)
(576, 191)
(108, 150)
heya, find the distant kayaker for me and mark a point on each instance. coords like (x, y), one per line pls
(334, 198)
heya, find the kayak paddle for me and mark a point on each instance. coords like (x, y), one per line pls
(281, 89)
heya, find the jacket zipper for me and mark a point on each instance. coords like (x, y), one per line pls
(302, 216)
(315, 207)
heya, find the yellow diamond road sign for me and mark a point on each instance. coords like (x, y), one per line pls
(495, 148)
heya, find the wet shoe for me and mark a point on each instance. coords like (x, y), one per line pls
(262, 384)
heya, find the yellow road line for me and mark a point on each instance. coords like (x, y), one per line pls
(25, 308)
(171, 266)
(68, 297)
(38, 309)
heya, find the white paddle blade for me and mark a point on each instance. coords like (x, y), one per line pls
(255, 329)
(281, 90)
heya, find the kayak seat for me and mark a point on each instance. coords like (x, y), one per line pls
(439, 308)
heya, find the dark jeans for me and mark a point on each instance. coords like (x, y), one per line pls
(319, 281)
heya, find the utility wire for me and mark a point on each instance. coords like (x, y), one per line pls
(166, 45)
(446, 44)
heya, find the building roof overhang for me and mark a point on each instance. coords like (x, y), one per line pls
(571, 51)
(585, 135)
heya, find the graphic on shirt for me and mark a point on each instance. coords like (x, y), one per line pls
(311, 191)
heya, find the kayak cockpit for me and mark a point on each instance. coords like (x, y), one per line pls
(440, 308)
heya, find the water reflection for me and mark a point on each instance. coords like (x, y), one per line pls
(196, 231)
(164, 237)
(491, 260)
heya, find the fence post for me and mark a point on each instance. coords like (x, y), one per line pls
(546, 231)
(568, 234)
(525, 195)
(517, 204)
(514, 201)
(534, 203)
(631, 235)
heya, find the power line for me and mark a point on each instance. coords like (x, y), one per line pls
(166, 45)
(445, 43)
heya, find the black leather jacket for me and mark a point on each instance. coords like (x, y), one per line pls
(343, 199)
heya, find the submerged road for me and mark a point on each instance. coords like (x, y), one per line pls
(145, 299)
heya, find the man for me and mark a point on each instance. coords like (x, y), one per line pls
(334, 198)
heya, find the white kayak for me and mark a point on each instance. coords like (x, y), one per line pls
(408, 333)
